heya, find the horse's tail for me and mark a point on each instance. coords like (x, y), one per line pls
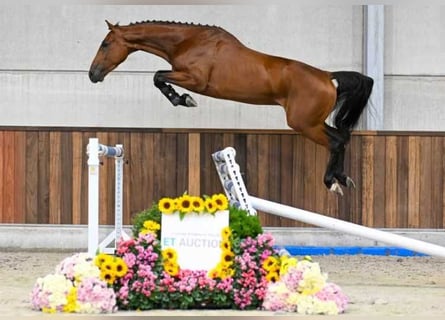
(353, 92)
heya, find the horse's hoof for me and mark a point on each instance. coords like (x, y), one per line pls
(336, 189)
(190, 102)
(350, 183)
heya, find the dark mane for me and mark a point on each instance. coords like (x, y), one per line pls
(173, 23)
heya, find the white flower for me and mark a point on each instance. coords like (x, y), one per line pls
(325, 307)
(58, 287)
(86, 269)
(305, 304)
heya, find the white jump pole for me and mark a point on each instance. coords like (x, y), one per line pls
(93, 195)
(231, 180)
(346, 227)
(95, 150)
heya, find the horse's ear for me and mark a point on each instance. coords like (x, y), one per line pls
(110, 25)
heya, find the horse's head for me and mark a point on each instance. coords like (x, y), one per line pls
(112, 51)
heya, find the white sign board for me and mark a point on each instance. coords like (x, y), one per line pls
(196, 238)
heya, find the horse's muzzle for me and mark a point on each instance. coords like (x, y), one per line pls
(95, 75)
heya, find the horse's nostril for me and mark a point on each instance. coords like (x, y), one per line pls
(91, 76)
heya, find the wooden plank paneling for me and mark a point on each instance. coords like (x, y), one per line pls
(194, 172)
(78, 149)
(44, 177)
(354, 151)
(378, 162)
(413, 181)
(367, 187)
(399, 176)
(2, 175)
(66, 181)
(402, 181)
(425, 183)
(391, 157)
(19, 213)
(437, 176)
(8, 177)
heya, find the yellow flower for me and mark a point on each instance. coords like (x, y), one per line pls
(226, 272)
(214, 273)
(210, 205)
(101, 258)
(120, 267)
(167, 205)
(286, 263)
(48, 310)
(185, 204)
(272, 276)
(71, 305)
(107, 266)
(221, 201)
(172, 268)
(169, 254)
(225, 245)
(152, 225)
(226, 233)
(311, 283)
(271, 263)
(227, 258)
(108, 276)
(197, 204)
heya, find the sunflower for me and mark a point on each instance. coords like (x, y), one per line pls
(169, 254)
(120, 267)
(272, 276)
(225, 245)
(210, 205)
(226, 272)
(167, 205)
(271, 263)
(185, 204)
(108, 266)
(197, 204)
(108, 277)
(227, 258)
(214, 273)
(221, 201)
(226, 233)
(101, 258)
(171, 268)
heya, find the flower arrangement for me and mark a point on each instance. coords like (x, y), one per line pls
(76, 286)
(155, 280)
(250, 273)
(303, 288)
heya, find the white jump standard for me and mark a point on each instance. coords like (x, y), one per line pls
(94, 151)
(233, 184)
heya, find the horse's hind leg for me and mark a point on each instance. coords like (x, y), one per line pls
(337, 142)
(331, 139)
(171, 94)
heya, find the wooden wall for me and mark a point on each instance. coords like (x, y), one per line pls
(399, 176)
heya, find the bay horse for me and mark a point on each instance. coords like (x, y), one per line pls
(210, 61)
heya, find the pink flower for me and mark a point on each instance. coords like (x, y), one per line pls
(332, 292)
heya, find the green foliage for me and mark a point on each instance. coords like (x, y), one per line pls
(244, 225)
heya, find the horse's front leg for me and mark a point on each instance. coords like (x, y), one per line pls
(160, 81)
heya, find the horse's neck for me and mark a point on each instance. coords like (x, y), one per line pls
(160, 40)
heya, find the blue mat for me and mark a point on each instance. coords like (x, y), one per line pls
(373, 251)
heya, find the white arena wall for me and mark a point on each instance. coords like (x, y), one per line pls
(47, 51)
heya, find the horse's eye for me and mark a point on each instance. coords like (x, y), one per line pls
(104, 44)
